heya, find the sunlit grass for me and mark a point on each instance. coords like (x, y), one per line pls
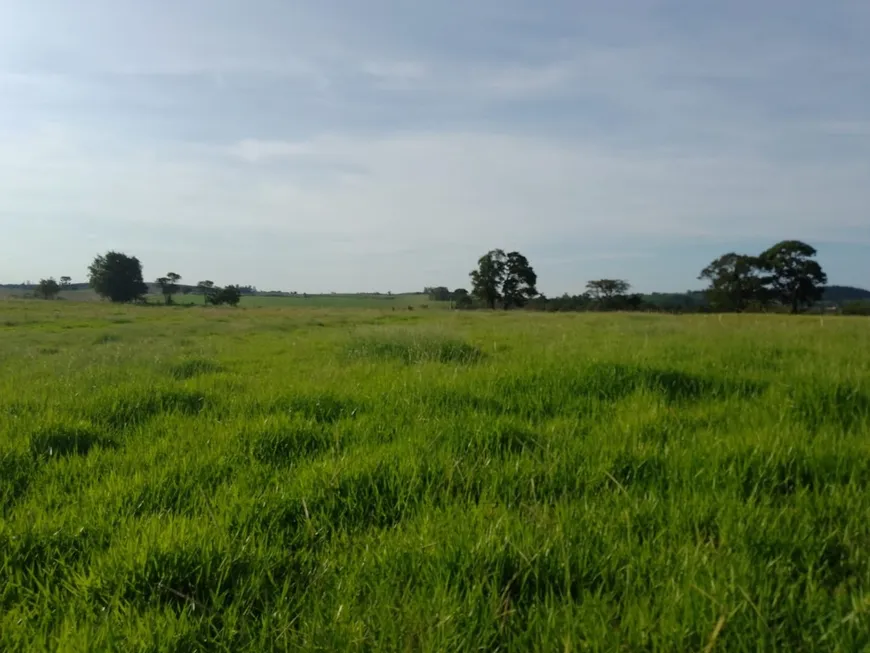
(259, 479)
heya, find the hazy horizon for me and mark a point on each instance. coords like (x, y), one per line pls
(358, 147)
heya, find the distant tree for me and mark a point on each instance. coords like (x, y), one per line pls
(519, 281)
(503, 278)
(795, 278)
(231, 296)
(47, 288)
(207, 288)
(461, 298)
(634, 302)
(118, 277)
(604, 290)
(735, 282)
(438, 293)
(169, 286)
(65, 282)
(487, 279)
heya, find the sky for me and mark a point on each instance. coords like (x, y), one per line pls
(384, 145)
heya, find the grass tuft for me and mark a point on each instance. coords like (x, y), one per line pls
(68, 440)
(411, 349)
(193, 367)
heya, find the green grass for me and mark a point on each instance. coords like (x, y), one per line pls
(319, 479)
(412, 301)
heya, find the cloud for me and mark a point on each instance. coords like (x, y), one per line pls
(448, 188)
(420, 135)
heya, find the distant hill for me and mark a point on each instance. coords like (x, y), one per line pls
(841, 294)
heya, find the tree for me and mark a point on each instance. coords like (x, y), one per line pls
(169, 286)
(231, 295)
(795, 279)
(438, 293)
(461, 298)
(487, 279)
(519, 281)
(604, 290)
(47, 288)
(207, 288)
(65, 282)
(506, 278)
(118, 277)
(734, 282)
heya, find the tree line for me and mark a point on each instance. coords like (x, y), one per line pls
(118, 277)
(784, 275)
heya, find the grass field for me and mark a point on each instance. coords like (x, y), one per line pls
(362, 301)
(399, 302)
(299, 479)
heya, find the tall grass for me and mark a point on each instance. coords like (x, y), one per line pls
(355, 480)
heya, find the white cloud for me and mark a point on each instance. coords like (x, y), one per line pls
(418, 189)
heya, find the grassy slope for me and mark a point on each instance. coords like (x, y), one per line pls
(368, 480)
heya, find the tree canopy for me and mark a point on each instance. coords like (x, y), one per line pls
(734, 282)
(795, 278)
(487, 279)
(169, 286)
(118, 277)
(785, 273)
(505, 278)
(605, 289)
(47, 288)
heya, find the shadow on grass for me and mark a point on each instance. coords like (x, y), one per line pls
(841, 406)
(16, 471)
(499, 441)
(61, 441)
(774, 477)
(290, 443)
(415, 349)
(107, 338)
(543, 395)
(193, 367)
(136, 408)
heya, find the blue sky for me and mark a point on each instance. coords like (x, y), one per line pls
(350, 145)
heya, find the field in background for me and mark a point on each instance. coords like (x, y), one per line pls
(249, 479)
(383, 302)
(357, 300)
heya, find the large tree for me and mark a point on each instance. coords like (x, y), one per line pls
(487, 279)
(735, 282)
(118, 277)
(795, 278)
(606, 289)
(519, 281)
(503, 278)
